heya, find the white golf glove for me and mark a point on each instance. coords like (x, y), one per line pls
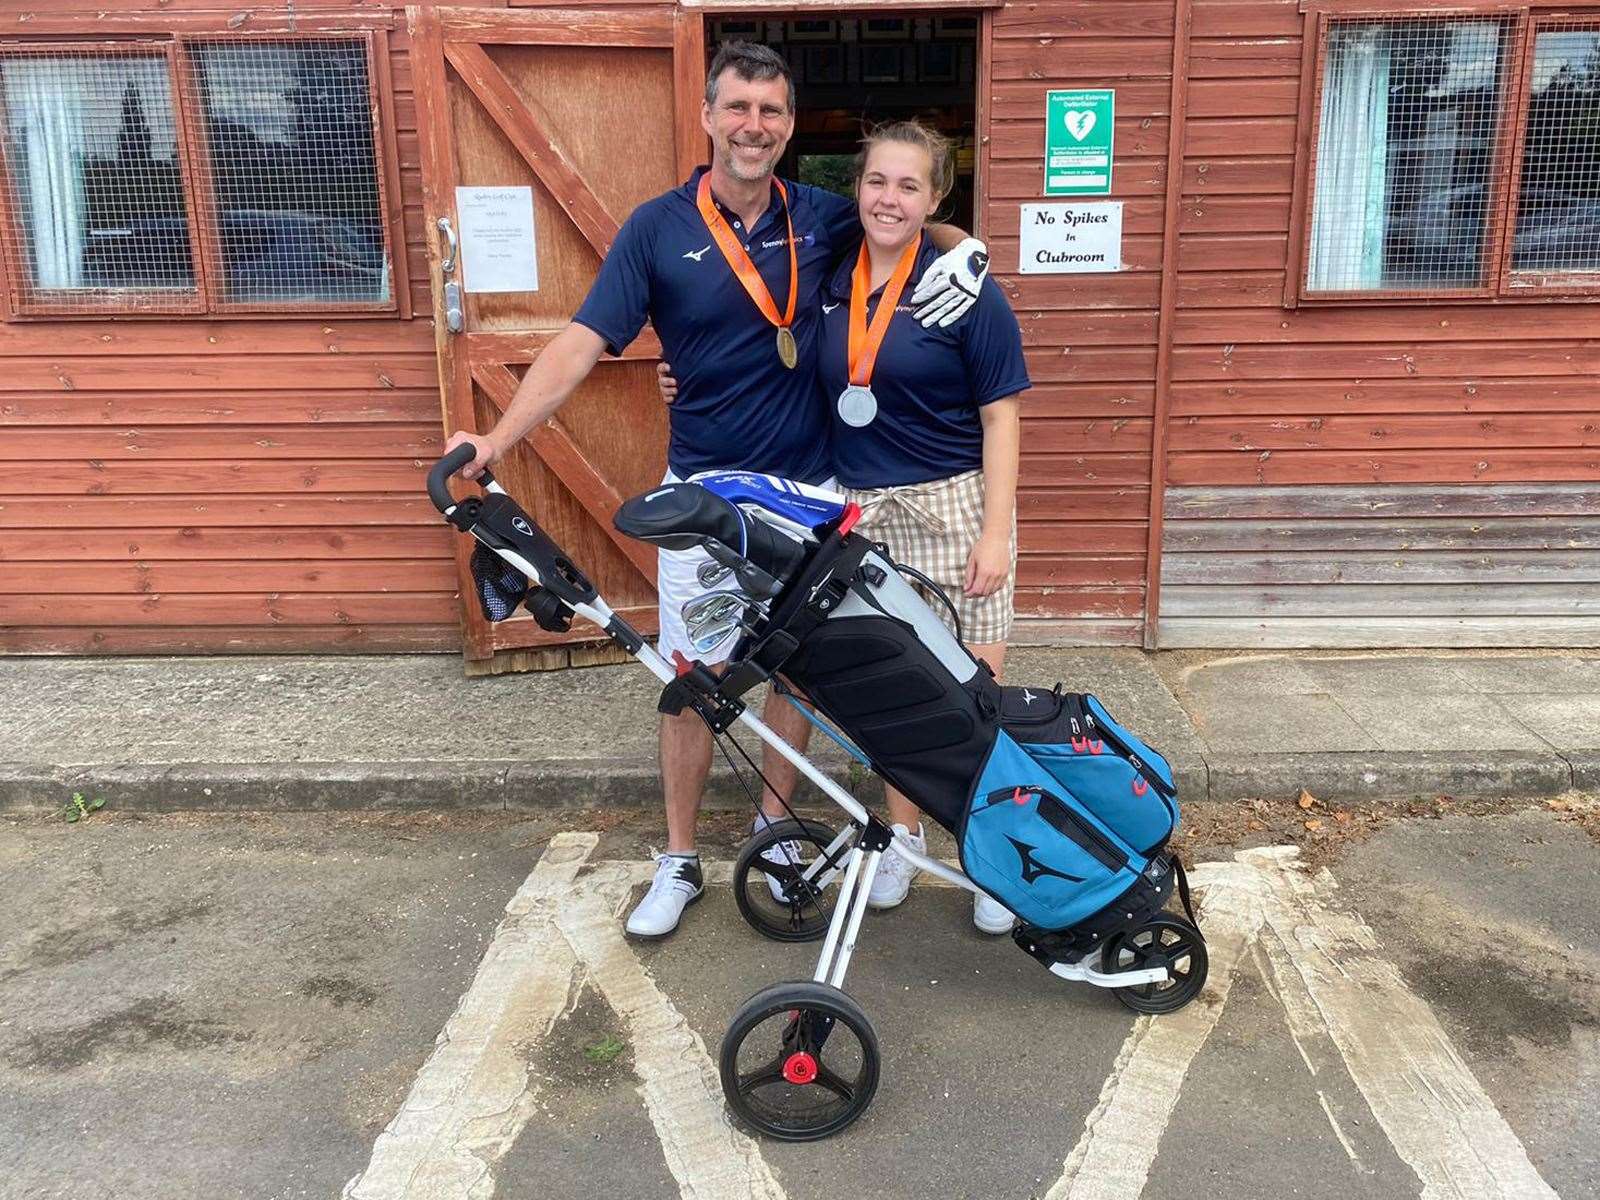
(950, 285)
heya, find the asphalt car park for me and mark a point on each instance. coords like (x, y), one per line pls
(444, 1005)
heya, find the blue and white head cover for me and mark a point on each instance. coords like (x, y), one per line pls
(798, 503)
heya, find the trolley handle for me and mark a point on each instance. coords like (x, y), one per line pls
(439, 474)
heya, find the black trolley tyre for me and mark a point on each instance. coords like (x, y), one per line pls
(1166, 940)
(811, 1016)
(805, 918)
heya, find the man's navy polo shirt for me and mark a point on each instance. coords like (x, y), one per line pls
(929, 384)
(738, 406)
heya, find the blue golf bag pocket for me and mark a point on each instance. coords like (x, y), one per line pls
(1029, 843)
(1106, 769)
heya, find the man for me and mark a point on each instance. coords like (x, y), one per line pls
(729, 269)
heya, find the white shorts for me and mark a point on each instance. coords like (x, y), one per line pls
(677, 583)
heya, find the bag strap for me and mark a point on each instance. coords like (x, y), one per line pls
(1183, 891)
(815, 597)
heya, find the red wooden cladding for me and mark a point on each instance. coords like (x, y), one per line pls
(224, 443)
(1318, 397)
(343, 575)
(1409, 430)
(288, 407)
(254, 638)
(1269, 467)
(190, 544)
(174, 510)
(228, 608)
(189, 475)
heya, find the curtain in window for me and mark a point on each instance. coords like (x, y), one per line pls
(1347, 223)
(45, 104)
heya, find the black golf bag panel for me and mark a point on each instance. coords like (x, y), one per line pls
(905, 691)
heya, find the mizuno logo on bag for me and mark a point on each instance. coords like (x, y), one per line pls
(1032, 868)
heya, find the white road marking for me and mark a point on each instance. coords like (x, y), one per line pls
(473, 1096)
(1435, 1113)
(677, 1079)
(1346, 1008)
(1113, 1156)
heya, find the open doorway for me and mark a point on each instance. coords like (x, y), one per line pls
(852, 71)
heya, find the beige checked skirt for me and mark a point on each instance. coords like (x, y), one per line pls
(932, 527)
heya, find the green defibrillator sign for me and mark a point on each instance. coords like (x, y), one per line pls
(1077, 142)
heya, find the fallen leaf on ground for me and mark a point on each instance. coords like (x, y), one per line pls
(1306, 799)
(1313, 825)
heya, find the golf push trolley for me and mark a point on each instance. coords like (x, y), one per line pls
(1058, 812)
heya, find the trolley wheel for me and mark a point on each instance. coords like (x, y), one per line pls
(1167, 941)
(803, 875)
(799, 1061)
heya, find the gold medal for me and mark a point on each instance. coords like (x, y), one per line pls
(788, 351)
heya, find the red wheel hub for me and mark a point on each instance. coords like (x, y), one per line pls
(800, 1068)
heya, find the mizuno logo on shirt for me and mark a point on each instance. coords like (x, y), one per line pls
(697, 254)
(827, 308)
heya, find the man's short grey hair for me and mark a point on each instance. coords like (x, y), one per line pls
(750, 62)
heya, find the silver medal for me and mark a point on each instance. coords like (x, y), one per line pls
(857, 406)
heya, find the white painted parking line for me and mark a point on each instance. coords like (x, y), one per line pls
(1435, 1113)
(1324, 967)
(1113, 1157)
(473, 1096)
(677, 1079)
(1347, 1009)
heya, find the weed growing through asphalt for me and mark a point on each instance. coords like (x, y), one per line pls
(605, 1050)
(78, 808)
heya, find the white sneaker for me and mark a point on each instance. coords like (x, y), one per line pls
(893, 880)
(780, 854)
(678, 884)
(989, 915)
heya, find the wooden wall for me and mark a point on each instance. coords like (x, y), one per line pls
(196, 485)
(1084, 501)
(1405, 474)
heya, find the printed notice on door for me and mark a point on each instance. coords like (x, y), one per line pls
(498, 253)
(1064, 239)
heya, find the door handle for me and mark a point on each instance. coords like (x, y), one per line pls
(447, 264)
(454, 316)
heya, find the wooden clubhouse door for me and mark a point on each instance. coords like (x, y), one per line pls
(595, 110)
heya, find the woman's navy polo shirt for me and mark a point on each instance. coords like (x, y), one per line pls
(738, 406)
(929, 383)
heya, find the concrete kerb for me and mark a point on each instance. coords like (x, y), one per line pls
(1363, 775)
(285, 787)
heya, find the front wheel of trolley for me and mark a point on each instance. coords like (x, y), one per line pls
(799, 1062)
(783, 876)
(1167, 941)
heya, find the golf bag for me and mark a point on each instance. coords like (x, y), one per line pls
(1059, 812)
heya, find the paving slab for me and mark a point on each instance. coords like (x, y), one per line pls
(1412, 675)
(1566, 721)
(1574, 671)
(1297, 724)
(1470, 723)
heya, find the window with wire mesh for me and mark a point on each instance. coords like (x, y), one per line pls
(1455, 156)
(1557, 227)
(293, 211)
(98, 212)
(1406, 153)
(203, 175)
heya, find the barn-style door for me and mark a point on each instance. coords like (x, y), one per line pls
(595, 110)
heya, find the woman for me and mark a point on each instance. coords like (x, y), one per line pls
(925, 424)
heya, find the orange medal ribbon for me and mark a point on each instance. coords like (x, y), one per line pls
(733, 250)
(865, 342)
